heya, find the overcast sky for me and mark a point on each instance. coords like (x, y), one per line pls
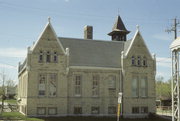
(22, 21)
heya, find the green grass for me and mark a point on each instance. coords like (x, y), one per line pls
(19, 116)
(11, 101)
(98, 119)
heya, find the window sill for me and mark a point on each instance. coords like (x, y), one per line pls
(97, 96)
(77, 95)
(139, 66)
(41, 96)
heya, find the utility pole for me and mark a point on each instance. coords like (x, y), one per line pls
(173, 28)
(175, 48)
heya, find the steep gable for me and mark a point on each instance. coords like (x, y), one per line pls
(48, 39)
(137, 46)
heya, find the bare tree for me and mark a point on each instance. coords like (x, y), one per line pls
(3, 90)
(10, 83)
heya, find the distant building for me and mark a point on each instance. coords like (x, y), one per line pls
(70, 76)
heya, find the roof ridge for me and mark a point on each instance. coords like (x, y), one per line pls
(91, 40)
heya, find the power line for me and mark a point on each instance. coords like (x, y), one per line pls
(80, 13)
(174, 28)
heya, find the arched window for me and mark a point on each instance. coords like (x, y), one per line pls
(144, 61)
(55, 58)
(48, 57)
(133, 60)
(139, 61)
(40, 56)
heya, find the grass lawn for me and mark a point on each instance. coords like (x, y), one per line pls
(19, 116)
(98, 119)
(11, 101)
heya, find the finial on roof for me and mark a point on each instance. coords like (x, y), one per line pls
(137, 27)
(49, 19)
(118, 12)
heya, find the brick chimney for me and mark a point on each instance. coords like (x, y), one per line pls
(88, 32)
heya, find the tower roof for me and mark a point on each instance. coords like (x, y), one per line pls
(119, 27)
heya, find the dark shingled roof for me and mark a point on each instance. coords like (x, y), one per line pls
(126, 45)
(118, 27)
(93, 52)
(119, 24)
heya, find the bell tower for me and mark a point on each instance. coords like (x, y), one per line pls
(119, 31)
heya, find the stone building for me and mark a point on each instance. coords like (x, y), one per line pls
(70, 76)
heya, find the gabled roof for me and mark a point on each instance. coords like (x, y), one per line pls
(94, 53)
(47, 25)
(136, 37)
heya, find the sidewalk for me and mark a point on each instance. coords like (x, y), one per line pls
(164, 115)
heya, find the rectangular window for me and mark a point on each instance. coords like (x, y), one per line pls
(112, 93)
(144, 87)
(94, 110)
(55, 58)
(144, 109)
(52, 85)
(135, 110)
(77, 85)
(134, 83)
(77, 110)
(48, 57)
(52, 111)
(95, 85)
(42, 85)
(112, 82)
(41, 111)
(111, 110)
(139, 61)
(40, 57)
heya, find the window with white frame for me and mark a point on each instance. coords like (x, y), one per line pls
(40, 56)
(42, 85)
(55, 57)
(48, 57)
(77, 85)
(112, 82)
(52, 111)
(52, 84)
(134, 83)
(94, 110)
(41, 111)
(143, 86)
(95, 85)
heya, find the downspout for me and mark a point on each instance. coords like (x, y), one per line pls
(121, 81)
(67, 72)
